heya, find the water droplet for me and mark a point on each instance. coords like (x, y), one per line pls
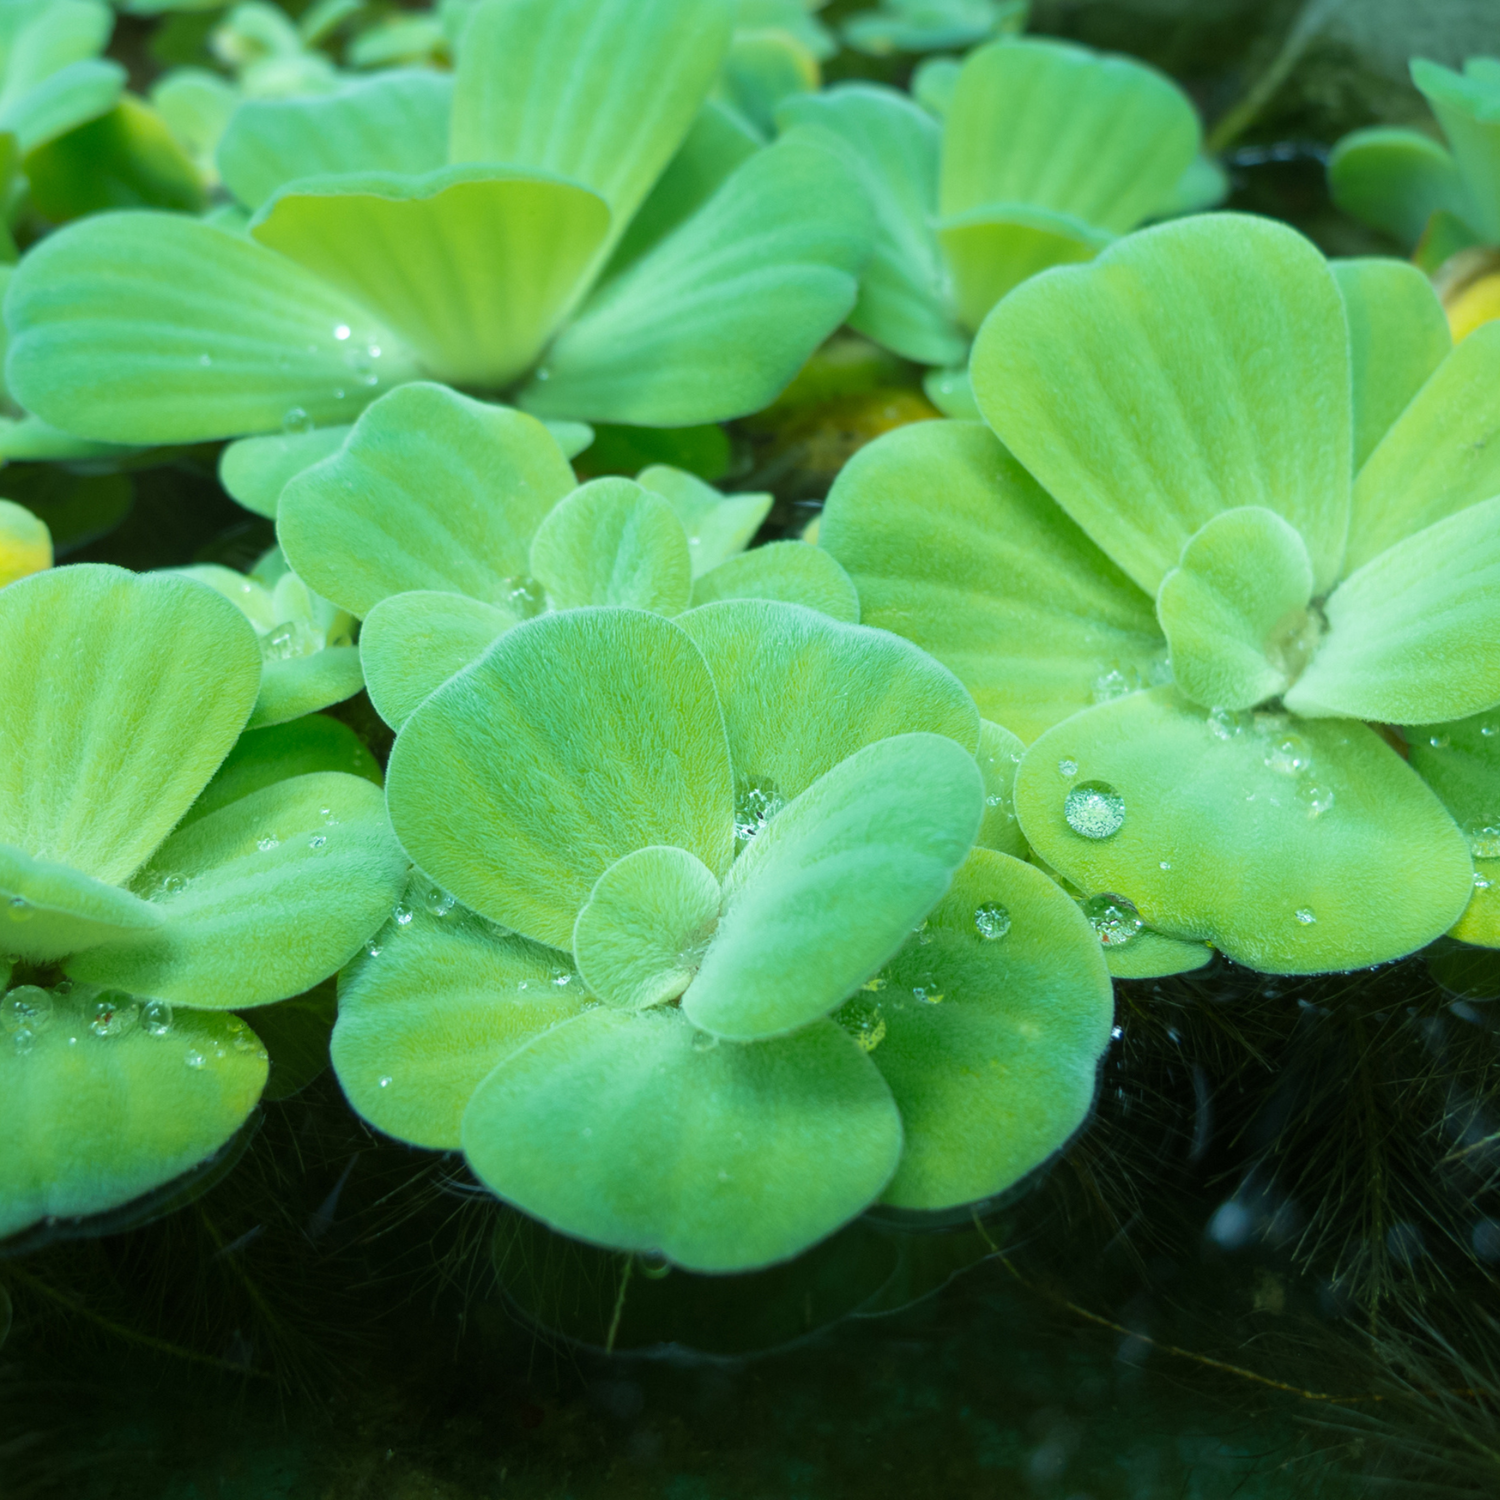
(318, 841)
(928, 992)
(24, 1040)
(1114, 918)
(194, 1058)
(436, 902)
(267, 842)
(289, 641)
(757, 800)
(1481, 883)
(1489, 731)
(18, 909)
(1117, 1032)
(385, 1081)
(341, 332)
(402, 915)
(1439, 741)
(1110, 685)
(562, 978)
(156, 1018)
(373, 948)
(876, 984)
(1289, 756)
(296, 419)
(1224, 724)
(63, 987)
(28, 1007)
(704, 1041)
(992, 920)
(544, 373)
(173, 885)
(1067, 767)
(339, 393)
(1305, 916)
(653, 1265)
(113, 1013)
(1318, 798)
(522, 593)
(1094, 809)
(205, 360)
(1483, 835)
(1165, 864)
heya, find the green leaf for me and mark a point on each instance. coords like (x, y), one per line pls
(618, 1129)
(472, 266)
(1099, 138)
(395, 122)
(952, 394)
(578, 738)
(428, 1010)
(49, 910)
(126, 158)
(1204, 184)
(993, 249)
(1204, 363)
(255, 470)
(151, 328)
(1293, 846)
(1232, 608)
(121, 695)
(998, 755)
(81, 91)
(1468, 109)
(262, 757)
(90, 1122)
(715, 321)
(1438, 457)
(891, 144)
(196, 105)
(992, 1022)
(997, 583)
(303, 684)
(718, 526)
(1398, 335)
(412, 643)
(1395, 179)
(431, 490)
(1152, 955)
(1414, 635)
(25, 543)
(638, 939)
(802, 692)
(612, 542)
(1460, 761)
(262, 898)
(600, 91)
(831, 887)
(791, 572)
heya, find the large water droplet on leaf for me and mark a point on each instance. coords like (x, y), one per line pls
(1114, 918)
(992, 920)
(1094, 809)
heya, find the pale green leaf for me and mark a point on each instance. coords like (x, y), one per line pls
(1468, 109)
(832, 886)
(952, 394)
(639, 936)
(411, 644)
(121, 695)
(89, 1122)
(993, 1024)
(395, 122)
(997, 583)
(1101, 138)
(1203, 364)
(473, 266)
(802, 692)
(715, 321)
(717, 526)
(1414, 635)
(612, 542)
(577, 738)
(49, 910)
(1394, 179)
(1398, 335)
(1204, 184)
(1153, 955)
(1294, 846)
(303, 684)
(152, 328)
(197, 105)
(998, 755)
(262, 898)
(619, 1129)
(1234, 608)
(431, 490)
(255, 470)
(79, 92)
(428, 1010)
(791, 572)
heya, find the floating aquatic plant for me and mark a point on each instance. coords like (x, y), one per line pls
(1172, 583)
(932, 25)
(143, 897)
(681, 1008)
(1045, 154)
(467, 228)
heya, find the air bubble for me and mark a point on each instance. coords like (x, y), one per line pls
(156, 1018)
(113, 1013)
(1094, 809)
(992, 920)
(1067, 767)
(1113, 918)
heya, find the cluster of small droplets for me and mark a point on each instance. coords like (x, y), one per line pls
(1483, 835)
(1094, 809)
(756, 801)
(1113, 918)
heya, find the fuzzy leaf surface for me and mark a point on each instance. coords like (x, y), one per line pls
(718, 526)
(791, 572)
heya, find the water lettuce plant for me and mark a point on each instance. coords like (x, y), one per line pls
(443, 522)
(1045, 154)
(664, 988)
(469, 229)
(157, 873)
(1173, 583)
(932, 25)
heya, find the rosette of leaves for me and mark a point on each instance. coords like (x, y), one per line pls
(687, 1012)
(1217, 448)
(155, 876)
(443, 522)
(467, 228)
(1045, 154)
(932, 25)
(308, 656)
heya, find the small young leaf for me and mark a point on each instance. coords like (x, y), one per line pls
(999, 755)
(791, 572)
(1394, 179)
(304, 684)
(255, 470)
(718, 526)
